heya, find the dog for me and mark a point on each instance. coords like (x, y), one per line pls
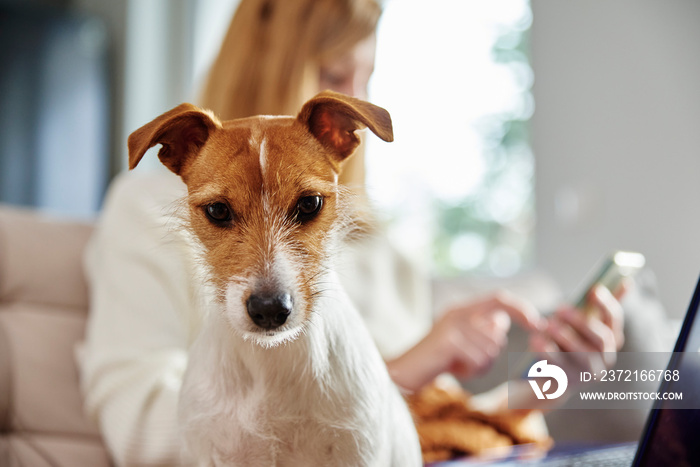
(283, 371)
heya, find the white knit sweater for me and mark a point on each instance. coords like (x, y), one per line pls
(146, 310)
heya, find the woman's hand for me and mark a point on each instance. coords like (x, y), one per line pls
(593, 337)
(464, 341)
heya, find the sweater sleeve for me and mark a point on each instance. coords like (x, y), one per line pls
(391, 293)
(141, 321)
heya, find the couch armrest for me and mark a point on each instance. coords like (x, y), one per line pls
(5, 379)
(43, 311)
(41, 259)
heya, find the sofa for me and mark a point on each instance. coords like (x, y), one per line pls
(43, 310)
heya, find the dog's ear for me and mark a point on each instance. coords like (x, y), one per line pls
(181, 131)
(333, 118)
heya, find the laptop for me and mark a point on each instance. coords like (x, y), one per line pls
(670, 436)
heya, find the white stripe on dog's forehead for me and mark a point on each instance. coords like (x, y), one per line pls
(258, 143)
(263, 156)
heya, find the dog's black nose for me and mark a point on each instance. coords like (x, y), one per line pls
(269, 311)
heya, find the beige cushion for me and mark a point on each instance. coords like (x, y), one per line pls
(43, 308)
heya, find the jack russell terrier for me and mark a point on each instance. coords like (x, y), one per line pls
(284, 371)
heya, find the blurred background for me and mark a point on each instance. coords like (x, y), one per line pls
(530, 135)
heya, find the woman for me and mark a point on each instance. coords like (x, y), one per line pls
(276, 55)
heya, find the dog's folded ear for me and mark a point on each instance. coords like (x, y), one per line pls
(181, 131)
(333, 117)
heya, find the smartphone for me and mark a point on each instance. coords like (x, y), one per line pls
(614, 269)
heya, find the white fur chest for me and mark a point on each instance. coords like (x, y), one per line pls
(323, 399)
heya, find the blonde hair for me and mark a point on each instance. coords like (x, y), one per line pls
(270, 58)
(269, 61)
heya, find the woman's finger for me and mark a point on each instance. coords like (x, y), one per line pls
(521, 311)
(611, 313)
(566, 338)
(596, 333)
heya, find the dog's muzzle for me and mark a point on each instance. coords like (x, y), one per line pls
(269, 310)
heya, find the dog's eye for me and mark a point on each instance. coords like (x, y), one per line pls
(218, 213)
(308, 207)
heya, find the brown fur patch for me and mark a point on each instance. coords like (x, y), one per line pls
(263, 200)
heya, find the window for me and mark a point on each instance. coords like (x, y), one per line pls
(457, 183)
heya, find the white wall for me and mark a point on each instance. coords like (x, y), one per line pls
(616, 137)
